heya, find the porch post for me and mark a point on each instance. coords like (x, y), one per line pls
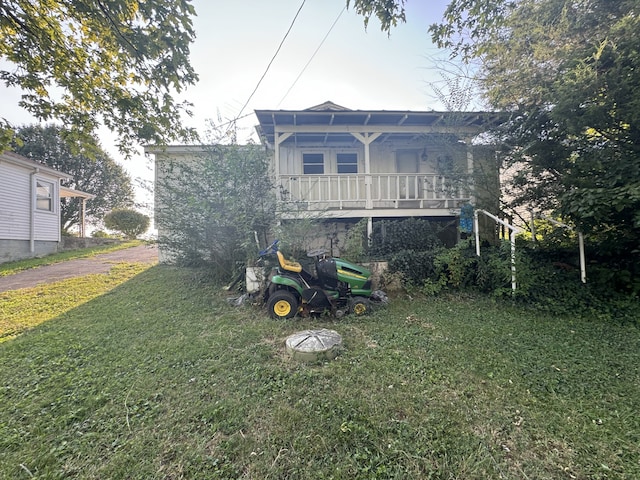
(470, 171)
(83, 209)
(278, 138)
(366, 139)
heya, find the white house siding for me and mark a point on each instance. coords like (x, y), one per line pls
(18, 177)
(15, 202)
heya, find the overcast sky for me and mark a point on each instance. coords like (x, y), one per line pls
(354, 67)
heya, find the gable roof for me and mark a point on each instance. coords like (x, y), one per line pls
(328, 106)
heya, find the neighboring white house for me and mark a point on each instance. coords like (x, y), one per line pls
(30, 207)
(344, 165)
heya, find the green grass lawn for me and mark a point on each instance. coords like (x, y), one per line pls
(10, 268)
(158, 378)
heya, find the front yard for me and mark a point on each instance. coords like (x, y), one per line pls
(157, 377)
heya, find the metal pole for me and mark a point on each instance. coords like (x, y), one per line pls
(583, 262)
(475, 229)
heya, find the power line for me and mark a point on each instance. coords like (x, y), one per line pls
(272, 59)
(312, 56)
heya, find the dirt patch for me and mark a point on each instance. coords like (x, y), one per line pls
(79, 267)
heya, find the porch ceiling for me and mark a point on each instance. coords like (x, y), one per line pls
(313, 126)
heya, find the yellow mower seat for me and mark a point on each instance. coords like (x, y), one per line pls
(288, 264)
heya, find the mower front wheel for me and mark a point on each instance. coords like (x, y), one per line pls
(282, 304)
(360, 306)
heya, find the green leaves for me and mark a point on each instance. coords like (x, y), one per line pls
(116, 62)
(92, 169)
(127, 221)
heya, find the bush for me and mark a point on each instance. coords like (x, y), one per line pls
(392, 236)
(414, 266)
(129, 222)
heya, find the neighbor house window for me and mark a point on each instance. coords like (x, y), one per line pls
(313, 163)
(44, 196)
(347, 162)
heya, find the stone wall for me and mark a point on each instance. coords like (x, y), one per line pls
(75, 243)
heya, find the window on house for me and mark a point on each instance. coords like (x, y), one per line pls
(313, 163)
(347, 162)
(44, 196)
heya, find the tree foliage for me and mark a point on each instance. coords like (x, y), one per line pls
(210, 208)
(127, 221)
(92, 169)
(569, 72)
(116, 62)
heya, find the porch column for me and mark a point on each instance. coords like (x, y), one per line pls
(277, 140)
(83, 209)
(470, 171)
(366, 139)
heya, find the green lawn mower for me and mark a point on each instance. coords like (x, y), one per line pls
(330, 285)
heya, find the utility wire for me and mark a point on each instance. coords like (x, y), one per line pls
(312, 56)
(272, 59)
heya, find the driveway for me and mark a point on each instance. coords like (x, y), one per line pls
(101, 263)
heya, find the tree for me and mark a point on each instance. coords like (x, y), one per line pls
(86, 62)
(128, 222)
(569, 72)
(92, 169)
(210, 208)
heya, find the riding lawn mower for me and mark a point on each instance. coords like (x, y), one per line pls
(329, 285)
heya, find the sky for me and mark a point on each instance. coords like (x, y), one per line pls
(354, 67)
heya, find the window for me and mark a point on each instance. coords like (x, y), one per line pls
(313, 163)
(347, 162)
(44, 196)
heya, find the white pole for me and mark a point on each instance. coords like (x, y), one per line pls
(475, 229)
(583, 262)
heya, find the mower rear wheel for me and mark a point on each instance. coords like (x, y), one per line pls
(282, 304)
(360, 306)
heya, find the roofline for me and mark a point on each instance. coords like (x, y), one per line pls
(72, 192)
(167, 149)
(14, 158)
(390, 112)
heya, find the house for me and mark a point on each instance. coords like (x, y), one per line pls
(30, 195)
(345, 165)
(341, 165)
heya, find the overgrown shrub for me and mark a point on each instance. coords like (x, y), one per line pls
(211, 207)
(415, 266)
(391, 236)
(356, 242)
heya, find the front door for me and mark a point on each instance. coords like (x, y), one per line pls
(407, 167)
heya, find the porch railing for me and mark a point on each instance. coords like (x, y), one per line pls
(388, 190)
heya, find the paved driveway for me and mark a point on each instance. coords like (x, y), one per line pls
(76, 268)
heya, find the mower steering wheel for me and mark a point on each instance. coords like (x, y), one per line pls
(316, 253)
(273, 248)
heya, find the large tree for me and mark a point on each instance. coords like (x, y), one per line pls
(93, 171)
(569, 71)
(87, 62)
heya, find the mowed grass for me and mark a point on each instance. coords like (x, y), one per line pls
(10, 268)
(159, 378)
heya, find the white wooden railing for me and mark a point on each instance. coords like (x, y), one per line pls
(388, 190)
